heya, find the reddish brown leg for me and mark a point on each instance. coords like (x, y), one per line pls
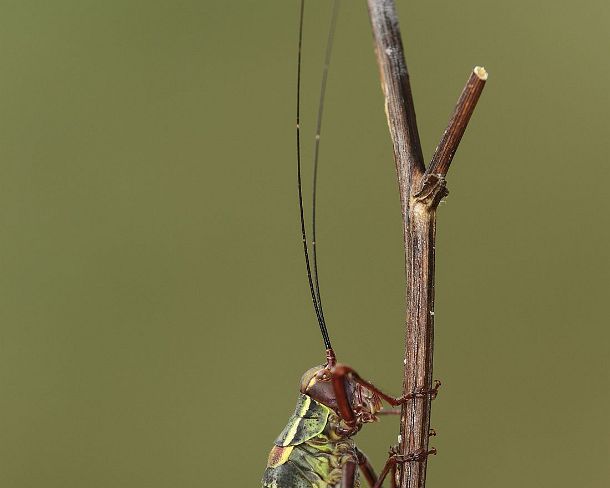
(393, 460)
(348, 480)
(390, 411)
(390, 465)
(340, 371)
(366, 468)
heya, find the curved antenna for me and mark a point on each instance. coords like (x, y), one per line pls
(323, 329)
(327, 56)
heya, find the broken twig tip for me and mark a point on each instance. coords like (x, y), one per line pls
(480, 72)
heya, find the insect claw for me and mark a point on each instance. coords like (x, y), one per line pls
(422, 392)
(418, 456)
(432, 433)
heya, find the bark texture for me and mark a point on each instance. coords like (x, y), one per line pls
(420, 190)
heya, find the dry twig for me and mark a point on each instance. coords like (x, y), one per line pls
(421, 190)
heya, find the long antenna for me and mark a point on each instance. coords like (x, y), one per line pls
(327, 56)
(323, 329)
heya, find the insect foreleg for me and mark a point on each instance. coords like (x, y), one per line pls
(341, 370)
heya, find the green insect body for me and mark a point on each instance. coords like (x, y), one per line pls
(310, 451)
(315, 449)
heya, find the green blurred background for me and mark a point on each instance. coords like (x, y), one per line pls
(154, 312)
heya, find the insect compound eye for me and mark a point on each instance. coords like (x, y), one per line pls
(323, 375)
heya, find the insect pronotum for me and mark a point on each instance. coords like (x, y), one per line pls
(316, 448)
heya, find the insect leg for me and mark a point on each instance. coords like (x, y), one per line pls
(395, 459)
(366, 468)
(342, 370)
(348, 480)
(391, 411)
(390, 465)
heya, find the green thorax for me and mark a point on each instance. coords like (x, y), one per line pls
(307, 421)
(309, 453)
